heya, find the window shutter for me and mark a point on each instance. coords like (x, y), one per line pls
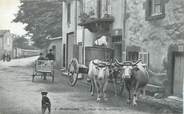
(109, 7)
(162, 8)
(144, 56)
(148, 9)
(69, 13)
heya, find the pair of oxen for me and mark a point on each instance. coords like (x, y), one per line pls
(134, 75)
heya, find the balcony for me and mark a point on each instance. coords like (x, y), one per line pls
(96, 25)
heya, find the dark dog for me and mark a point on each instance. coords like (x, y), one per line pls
(45, 103)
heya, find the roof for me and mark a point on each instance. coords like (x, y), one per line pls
(55, 38)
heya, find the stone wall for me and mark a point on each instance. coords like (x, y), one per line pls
(156, 35)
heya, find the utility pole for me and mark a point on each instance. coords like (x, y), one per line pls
(83, 36)
(124, 44)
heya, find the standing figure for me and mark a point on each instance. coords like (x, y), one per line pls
(41, 57)
(50, 55)
(8, 57)
(4, 57)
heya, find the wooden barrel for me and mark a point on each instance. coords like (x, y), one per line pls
(100, 53)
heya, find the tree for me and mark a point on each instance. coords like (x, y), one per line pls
(42, 18)
(22, 42)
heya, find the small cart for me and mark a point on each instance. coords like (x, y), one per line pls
(43, 68)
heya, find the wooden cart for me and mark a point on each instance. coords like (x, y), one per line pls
(43, 67)
(75, 69)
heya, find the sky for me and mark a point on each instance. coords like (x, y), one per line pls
(8, 9)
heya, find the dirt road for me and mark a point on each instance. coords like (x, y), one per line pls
(19, 95)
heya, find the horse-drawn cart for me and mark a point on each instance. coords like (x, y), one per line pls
(43, 68)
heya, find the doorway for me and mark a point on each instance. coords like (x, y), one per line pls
(69, 48)
(178, 74)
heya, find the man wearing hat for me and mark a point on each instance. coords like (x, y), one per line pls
(50, 55)
(41, 57)
(45, 102)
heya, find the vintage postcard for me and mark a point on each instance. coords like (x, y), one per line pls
(91, 56)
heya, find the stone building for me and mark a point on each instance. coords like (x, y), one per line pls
(69, 30)
(6, 42)
(151, 30)
(156, 25)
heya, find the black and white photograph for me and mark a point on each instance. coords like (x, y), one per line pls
(91, 56)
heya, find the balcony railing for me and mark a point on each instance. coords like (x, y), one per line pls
(97, 24)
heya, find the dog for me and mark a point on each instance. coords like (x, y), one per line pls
(45, 103)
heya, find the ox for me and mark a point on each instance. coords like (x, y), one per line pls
(98, 74)
(135, 77)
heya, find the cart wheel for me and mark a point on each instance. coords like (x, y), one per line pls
(73, 69)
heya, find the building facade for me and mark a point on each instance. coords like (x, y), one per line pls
(139, 29)
(156, 25)
(6, 42)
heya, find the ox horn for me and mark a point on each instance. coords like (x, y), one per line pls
(117, 62)
(128, 62)
(99, 64)
(137, 62)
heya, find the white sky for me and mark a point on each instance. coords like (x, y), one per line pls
(8, 9)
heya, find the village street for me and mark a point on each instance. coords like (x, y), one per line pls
(19, 95)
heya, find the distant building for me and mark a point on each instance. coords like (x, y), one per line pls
(6, 42)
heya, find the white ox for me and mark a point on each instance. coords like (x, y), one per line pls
(99, 74)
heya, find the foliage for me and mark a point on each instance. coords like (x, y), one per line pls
(86, 16)
(42, 19)
(21, 42)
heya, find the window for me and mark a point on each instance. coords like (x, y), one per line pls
(8, 41)
(105, 8)
(108, 7)
(155, 9)
(144, 56)
(132, 56)
(116, 39)
(99, 8)
(68, 13)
